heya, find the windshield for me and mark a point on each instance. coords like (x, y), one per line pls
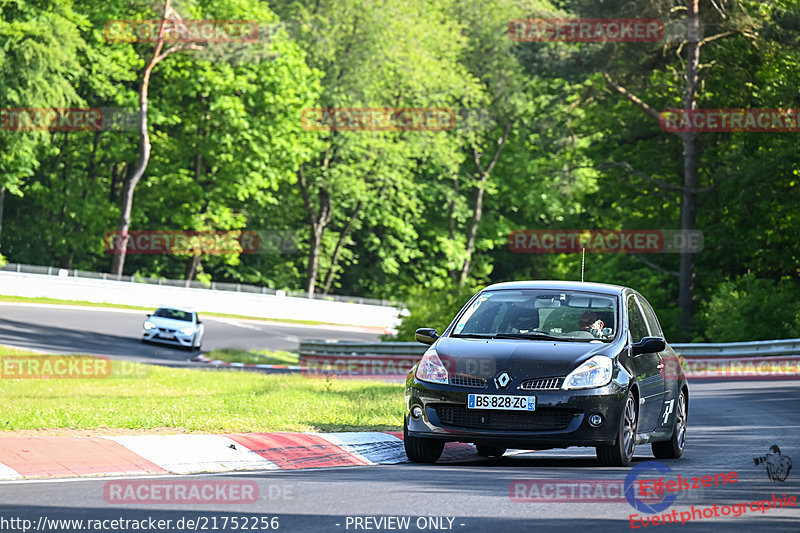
(174, 314)
(574, 316)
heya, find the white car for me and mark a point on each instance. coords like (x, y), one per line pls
(174, 325)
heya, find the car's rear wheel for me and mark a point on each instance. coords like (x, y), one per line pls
(490, 451)
(420, 450)
(621, 452)
(673, 448)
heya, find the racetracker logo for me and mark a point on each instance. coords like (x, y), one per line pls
(365, 366)
(565, 241)
(184, 492)
(54, 367)
(730, 120)
(749, 368)
(378, 119)
(585, 30)
(190, 242)
(181, 31)
(570, 491)
(68, 119)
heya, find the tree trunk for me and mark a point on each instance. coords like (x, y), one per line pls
(691, 154)
(2, 203)
(477, 213)
(132, 179)
(318, 222)
(192, 264)
(335, 258)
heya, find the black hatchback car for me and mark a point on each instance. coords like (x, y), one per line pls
(546, 364)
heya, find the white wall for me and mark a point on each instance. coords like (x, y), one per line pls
(238, 303)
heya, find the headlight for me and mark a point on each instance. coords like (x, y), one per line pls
(149, 325)
(596, 372)
(430, 368)
(187, 331)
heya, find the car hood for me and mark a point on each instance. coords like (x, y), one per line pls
(523, 359)
(163, 322)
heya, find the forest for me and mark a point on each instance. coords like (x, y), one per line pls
(402, 145)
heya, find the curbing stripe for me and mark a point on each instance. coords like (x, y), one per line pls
(297, 450)
(35, 457)
(190, 454)
(372, 447)
(7, 473)
(71, 456)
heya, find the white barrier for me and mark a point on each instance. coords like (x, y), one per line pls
(236, 303)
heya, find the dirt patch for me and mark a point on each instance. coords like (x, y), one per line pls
(97, 432)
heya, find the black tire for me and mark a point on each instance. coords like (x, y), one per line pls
(621, 452)
(419, 450)
(673, 448)
(490, 451)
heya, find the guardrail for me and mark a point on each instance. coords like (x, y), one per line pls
(778, 359)
(687, 350)
(21, 268)
(149, 295)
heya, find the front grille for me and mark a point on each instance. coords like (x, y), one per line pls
(541, 420)
(465, 380)
(166, 330)
(542, 384)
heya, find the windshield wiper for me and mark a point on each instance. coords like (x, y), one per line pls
(474, 336)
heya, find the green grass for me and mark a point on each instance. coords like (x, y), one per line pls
(257, 357)
(145, 396)
(55, 301)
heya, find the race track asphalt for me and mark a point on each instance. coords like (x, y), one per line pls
(116, 333)
(730, 424)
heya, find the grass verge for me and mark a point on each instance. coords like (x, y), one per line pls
(255, 357)
(138, 396)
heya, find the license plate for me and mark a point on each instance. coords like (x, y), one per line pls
(167, 335)
(501, 402)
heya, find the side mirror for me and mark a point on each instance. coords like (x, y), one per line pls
(149, 315)
(649, 345)
(199, 322)
(426, 335)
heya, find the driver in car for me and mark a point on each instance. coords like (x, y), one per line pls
(590, 322)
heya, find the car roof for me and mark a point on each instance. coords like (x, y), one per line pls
(602, 288)
(176, 308)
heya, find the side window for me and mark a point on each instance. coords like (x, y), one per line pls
(636, 323)
(650, 316)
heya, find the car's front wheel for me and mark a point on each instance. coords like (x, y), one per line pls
(419, 450)
(673, 448)
(621, 452)
(490, 451)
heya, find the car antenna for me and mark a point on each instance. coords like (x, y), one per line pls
(583, 254)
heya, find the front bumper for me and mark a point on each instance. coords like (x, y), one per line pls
(167, 336)
(559, 421)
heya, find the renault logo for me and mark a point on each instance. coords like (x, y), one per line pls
(502, 380)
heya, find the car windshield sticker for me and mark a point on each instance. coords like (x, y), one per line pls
(474, 307)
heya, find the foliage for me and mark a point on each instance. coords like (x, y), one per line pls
(228, 148)
(749, 308)
(432, 309)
